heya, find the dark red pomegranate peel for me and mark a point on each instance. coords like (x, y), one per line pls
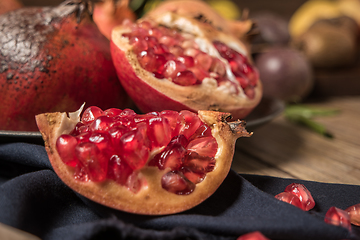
(154, 163)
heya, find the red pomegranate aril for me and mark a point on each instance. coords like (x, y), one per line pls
(191, 51)
(133, 148)
(145, 25)
(145, 58)
(253, 236)
(177, 183)
(65, 145)
(155, 32)
(116, 132)
(203, 131)
(79, 128)
(191, 123)
(218, 67)
(174, 121)
(169, 56)
(188, 61)
(172, 68)
(93, 161)
(133, 182)
(160, 49)
(90, 114)
(139, 44)
(158, 65)
(185, 78)
(289, 198)
(83, 137)
(203, 61)
(303, 194)
(102, 141)
(118, 170)
(101, 124)
(112, 112)
(204, 146)
(198, 163)
(354, 213)
(338, 217)
(151, 41)
(176, 50)
(172, 157)
(200, 73)
(195, 177)
(167, 40)
(159, 131)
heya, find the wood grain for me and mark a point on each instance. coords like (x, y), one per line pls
(284, 149)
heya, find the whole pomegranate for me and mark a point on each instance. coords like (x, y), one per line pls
(9, 5)
(170, 60)
(155, 163)
(286, 73)
(52, 59)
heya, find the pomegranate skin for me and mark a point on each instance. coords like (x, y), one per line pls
(52, 59)
(9, 5)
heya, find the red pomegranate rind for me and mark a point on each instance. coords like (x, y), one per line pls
(145, 190)
(160, 91)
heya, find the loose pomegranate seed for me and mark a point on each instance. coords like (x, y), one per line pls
(253, 236)
(303, 194)
(338, 217)
(65, 146)
(289, 198)
(90, 114)
(93, 160)
(177, 183)
(354, 213)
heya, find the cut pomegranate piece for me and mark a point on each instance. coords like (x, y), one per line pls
(289, 198)
(132, 162)
(253, 236)
(338, 217)
(354, 213)
(303, 194)
(197, 56)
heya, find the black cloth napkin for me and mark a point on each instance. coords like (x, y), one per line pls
(34, 199)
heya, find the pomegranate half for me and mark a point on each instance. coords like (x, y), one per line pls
(155, 163)
(172, 61)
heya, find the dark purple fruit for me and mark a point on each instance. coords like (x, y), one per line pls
(285, 73)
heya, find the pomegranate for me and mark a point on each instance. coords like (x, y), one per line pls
(9, 5)
(52, 59)
(168, 60)
(155, 163)
(109, 13)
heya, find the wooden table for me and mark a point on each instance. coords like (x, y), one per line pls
(284, 149)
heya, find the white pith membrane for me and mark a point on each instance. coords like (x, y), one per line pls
(207, 95)
(151, 199)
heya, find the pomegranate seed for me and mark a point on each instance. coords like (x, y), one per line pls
(79, 128)
(83, 137)
(171, 157)
(177, 183)
(243, 80)
(65, 146)
(289, 198)
(203, 61)
(80, 173)
(354, 213)
(204, 146)
(90, 114)
(151, 41)
(174, 120)
(188, 61)
(145, 58)
(203, 131)
(118, 170)
(185, 78)
(101, 124)
(102, 141)
(133, 182)
(161, 49)
(218, 67)
(169, 56)
(198, 163)
(112, 112)
(95, 163)
(191, 123)
(145, 25)
(303, 194)
(139, 44)
(176, 50)
(159, 131)
(199, 73)
(158, 65)
(133, 148)
(194, 177)
(191, 52)
(338, 217)
(253, 236)
(172, 68)
(116, 132)
(168, 40)
(157, 34)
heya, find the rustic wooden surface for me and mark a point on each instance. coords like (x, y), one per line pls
(284, 149)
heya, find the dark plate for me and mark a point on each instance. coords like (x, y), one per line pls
(266, 111)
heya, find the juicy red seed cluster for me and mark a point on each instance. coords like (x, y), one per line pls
(169, 54)
(114, 144)
(297, 195)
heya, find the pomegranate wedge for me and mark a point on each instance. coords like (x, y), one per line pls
(155, 163)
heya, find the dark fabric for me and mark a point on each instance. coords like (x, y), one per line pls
(34, 199)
